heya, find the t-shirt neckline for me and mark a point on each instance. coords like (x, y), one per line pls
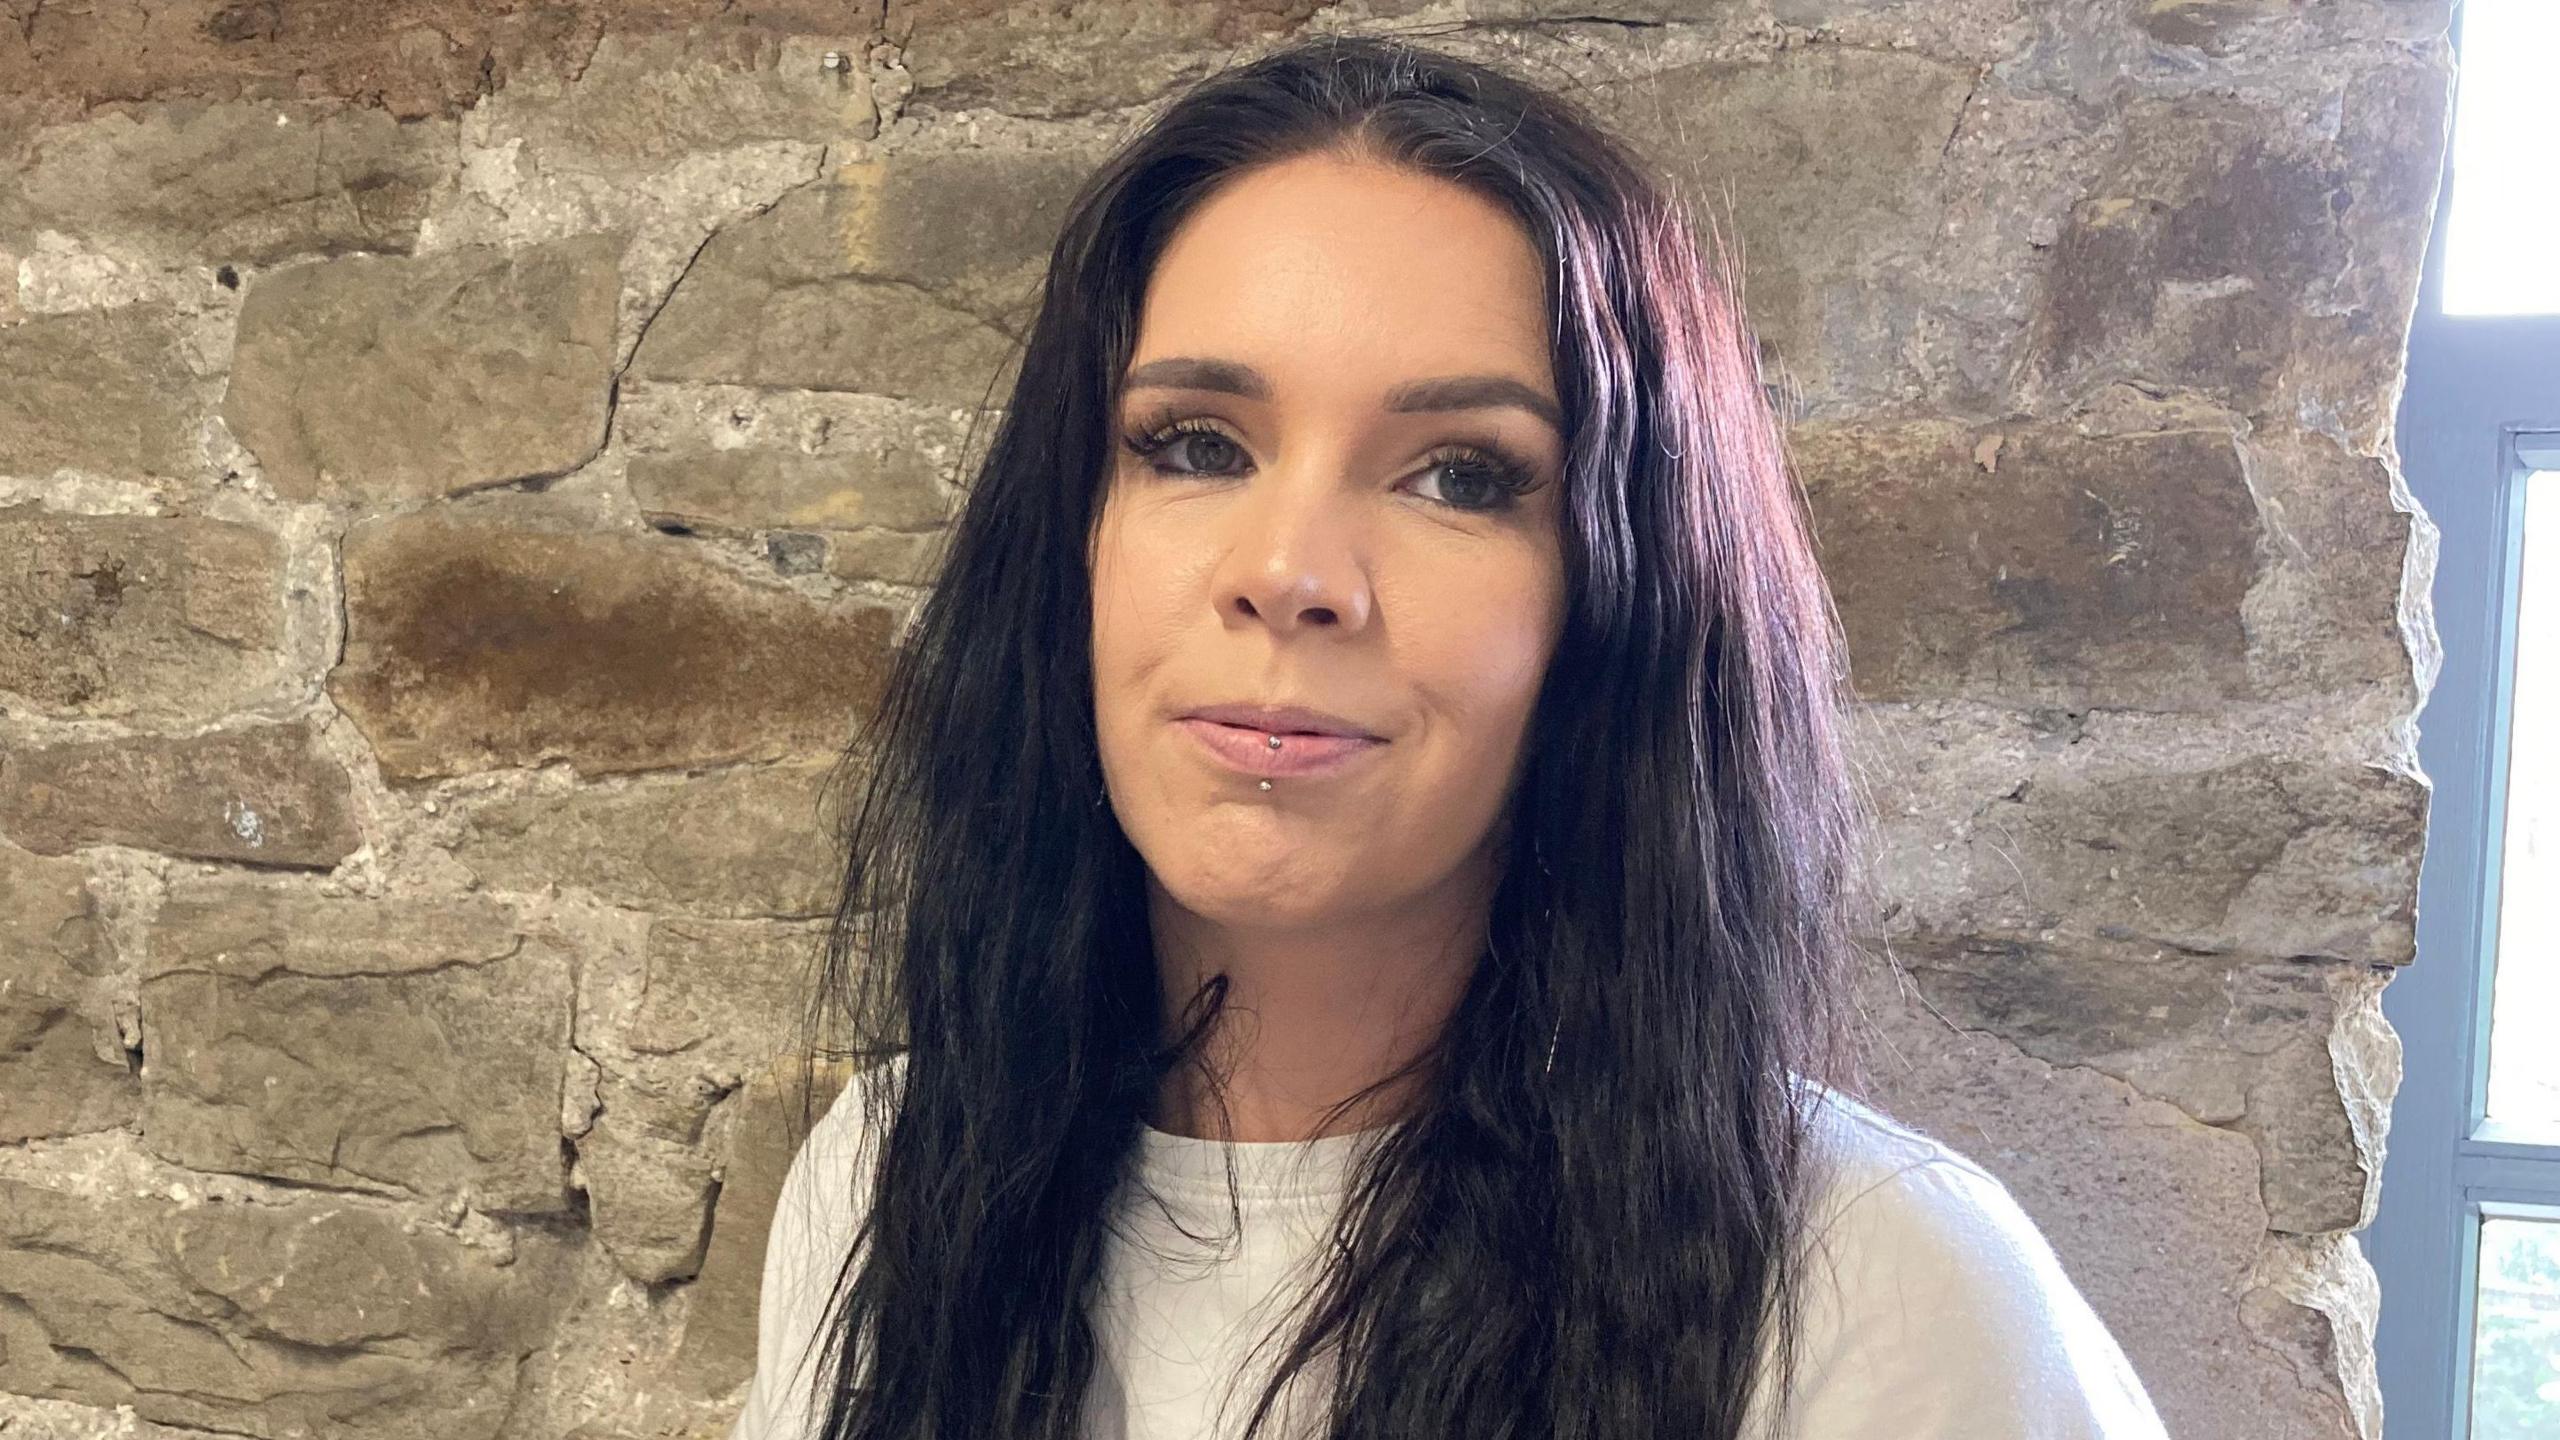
(1196, 1167)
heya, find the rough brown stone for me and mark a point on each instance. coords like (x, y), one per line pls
(2238, 26)
(744, 842)
(414, 1045)
(2314, 1299)
(2025, 564)
(2326, 612)
(263, 793)
(243, 182)
(907, 276)
(716, 1003)
(62, 1068)
(717, 998)
(375, 378)
(644, 101)
(2232, 1041)
(2047, 827)
(473, 643)
(102, 390)
(2157, 1218)
(1834, 204)
(273, 1320)
(769, 1120)
(2273, 264)
(650, 1200)
(2268, 857)
(894, 556)
(129, 617)
(411, 57)
(1050, 59)
(740, 490)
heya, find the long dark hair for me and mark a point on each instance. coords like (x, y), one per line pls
(1600, 1249)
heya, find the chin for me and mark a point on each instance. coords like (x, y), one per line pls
(1270, 900)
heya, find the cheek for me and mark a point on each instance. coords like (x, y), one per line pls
(1487, 675)
(1484, 659)
(1134, 607)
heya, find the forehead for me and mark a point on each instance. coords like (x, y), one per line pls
(1326, 272)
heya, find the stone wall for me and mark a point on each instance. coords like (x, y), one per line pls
(462, 466)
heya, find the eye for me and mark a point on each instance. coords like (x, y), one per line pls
(1493, 476)
(1474, 479)
(1146, 443)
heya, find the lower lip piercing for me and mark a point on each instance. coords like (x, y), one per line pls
(1307, 755)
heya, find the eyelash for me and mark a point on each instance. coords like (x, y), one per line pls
(1505, 474)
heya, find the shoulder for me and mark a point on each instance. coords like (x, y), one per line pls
(818, 1191)
(815, 1221)
(1935, 1306)
(814, 1217)
(1875, 1171)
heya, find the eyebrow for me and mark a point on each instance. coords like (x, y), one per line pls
(1446, 392)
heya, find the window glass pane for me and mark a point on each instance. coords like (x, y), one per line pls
(2524, 1061)
(2505, 202)
(2515, 1335)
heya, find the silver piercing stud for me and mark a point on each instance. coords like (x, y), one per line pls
(1266, 784)
(1275, 742)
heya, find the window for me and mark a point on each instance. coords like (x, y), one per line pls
(2506, 207)
(2467, 1240)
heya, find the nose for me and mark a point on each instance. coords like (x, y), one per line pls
(1297, 560)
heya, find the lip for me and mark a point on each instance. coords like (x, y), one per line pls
(1282, 720)
(1249, 750)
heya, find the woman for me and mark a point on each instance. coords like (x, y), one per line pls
(1354, 888)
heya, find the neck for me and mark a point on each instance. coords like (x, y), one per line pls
(1313, 1014)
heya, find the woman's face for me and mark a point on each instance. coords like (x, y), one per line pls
(1304, 536)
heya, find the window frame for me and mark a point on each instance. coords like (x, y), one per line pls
(2480, 412)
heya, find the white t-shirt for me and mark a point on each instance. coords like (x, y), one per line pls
(1937, 1311)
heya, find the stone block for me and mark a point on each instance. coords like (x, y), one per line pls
(2156, 1217)
(1828, 158)
(714, 1003)
(412, 62)
(281, 1320)
(101, 390)
(1044, 59)
(413, 1047)
(377, 379)
(265, 794)
(139, 618)
(2051, 824)
(2339, 531)
(62, 1065)
(2028, 564)
(739, 843)
(769, 1120)
(2275, 264)
(734, 491)
(895, 557)
(246, 182)
(475, 643)
(645, 101)
(2262, 1047)
(908, 276)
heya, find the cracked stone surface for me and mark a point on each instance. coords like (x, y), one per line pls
(466, 463)
(387, 379)
(62, 1066)
(2156, 1216)
(404, 1047)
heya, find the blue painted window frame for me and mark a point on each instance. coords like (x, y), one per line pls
(2479, 412)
